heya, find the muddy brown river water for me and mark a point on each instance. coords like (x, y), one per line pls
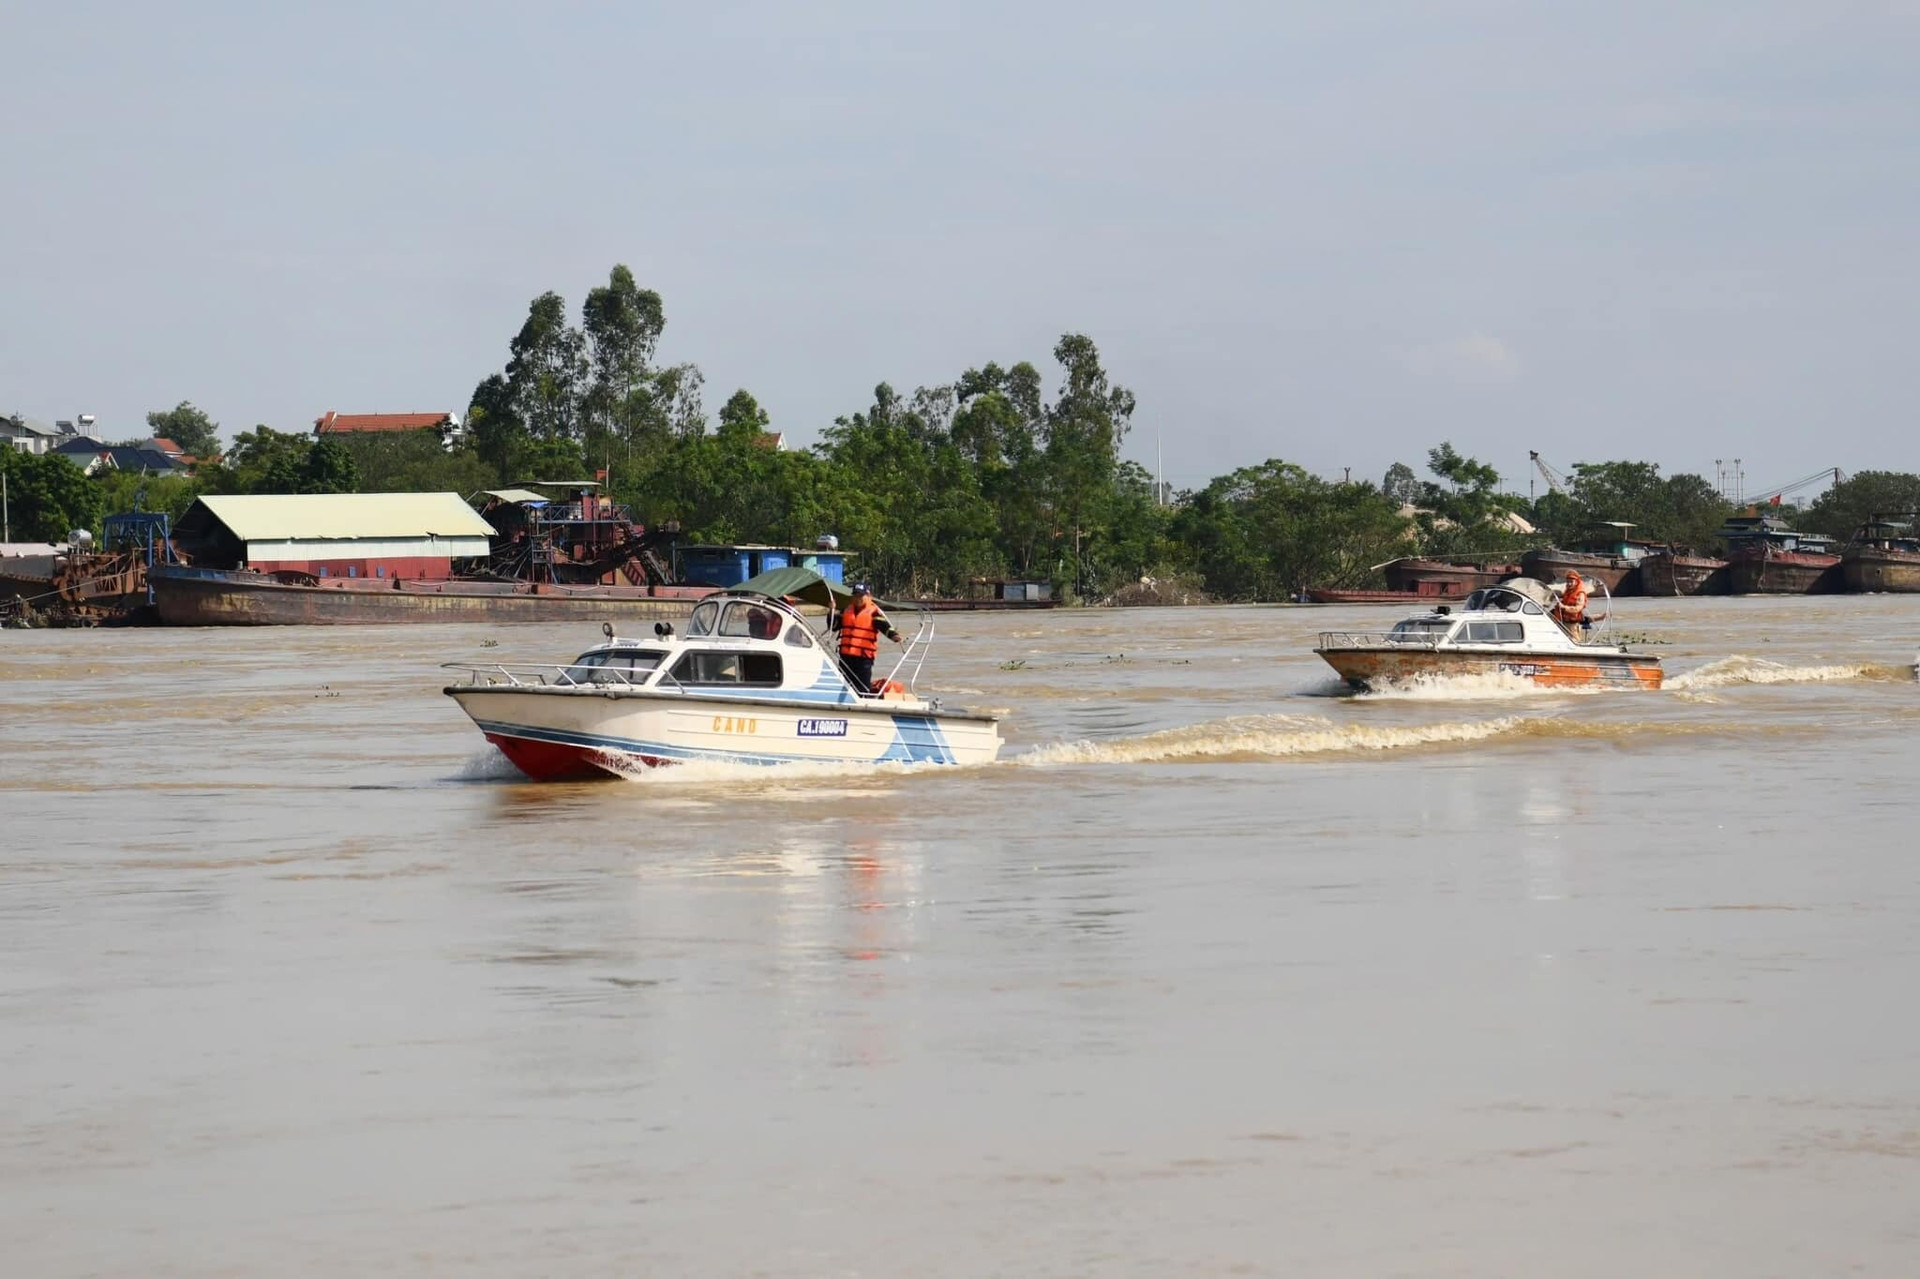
(1214, 974)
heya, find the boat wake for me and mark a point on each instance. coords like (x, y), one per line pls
(1264, 738)
(1252, 738)
(1740, 669)
(1483, 687)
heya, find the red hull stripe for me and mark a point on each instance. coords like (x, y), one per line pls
(557, 761)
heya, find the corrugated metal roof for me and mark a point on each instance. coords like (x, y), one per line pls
(333, 516)
(517, 495)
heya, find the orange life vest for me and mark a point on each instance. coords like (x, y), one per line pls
(859, 637)
(1573, 602)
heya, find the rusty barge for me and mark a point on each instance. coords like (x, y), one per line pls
(1765, 557)
(186, 595)
(1884, 555)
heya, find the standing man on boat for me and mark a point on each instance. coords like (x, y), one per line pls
(1571, 611)
(861, 624)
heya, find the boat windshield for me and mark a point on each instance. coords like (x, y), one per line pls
(1424, 626)
(1499, 599)
(705, 614)
(614, 666)
(746, 619)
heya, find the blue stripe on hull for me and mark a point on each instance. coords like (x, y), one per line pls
(920, 745)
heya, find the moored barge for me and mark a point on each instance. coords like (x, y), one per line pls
(1609, 557)
(1883, 555)
(1444, 579)
(1766, 557)
(1676, 570)
(190, 596)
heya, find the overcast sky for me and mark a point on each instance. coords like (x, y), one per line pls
(1331, 233)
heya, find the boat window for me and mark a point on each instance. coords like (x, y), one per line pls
(755, 670)
(798, 636)
(1494, 633)
(701, 623)
(608, 666)
(750, 621)
(1528, 606)
(1423, 626)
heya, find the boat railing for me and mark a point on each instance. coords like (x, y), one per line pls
(1381, 639)
(913, 655)
(538, 675)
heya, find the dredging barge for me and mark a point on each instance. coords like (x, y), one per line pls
(357, 559)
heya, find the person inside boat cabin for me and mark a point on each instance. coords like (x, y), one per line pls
(1572, 607)
(861, 624)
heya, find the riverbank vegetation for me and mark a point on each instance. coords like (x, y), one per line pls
(1008, 470)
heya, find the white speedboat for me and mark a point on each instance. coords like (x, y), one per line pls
(1507, 629)
(750, 682)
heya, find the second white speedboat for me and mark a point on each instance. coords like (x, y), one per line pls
(749, 683)
(1504, 630)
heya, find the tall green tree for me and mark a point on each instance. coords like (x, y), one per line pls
(1847, 505)
(47, 496)
(1266, 532)
(622, 323)
(547, 372)
(1462, 507)
(742, 415)
(196, 433)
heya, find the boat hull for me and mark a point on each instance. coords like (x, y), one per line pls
(1766, 571)
(1333, 595)
(1616, 574)
(1374, 667)
(1873, 569)
(1439, 579)
(217, 597)
(1667, 574)
(553, 734)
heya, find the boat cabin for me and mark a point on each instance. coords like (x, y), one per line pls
(1883, 534)
(1614, 538)
(1753, 530)
(1517, 612)
(734, 644)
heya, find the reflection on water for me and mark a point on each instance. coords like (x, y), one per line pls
(1213, 974)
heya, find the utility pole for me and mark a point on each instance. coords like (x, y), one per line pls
(6, 514)
(1159, 470)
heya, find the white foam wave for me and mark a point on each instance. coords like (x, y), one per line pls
(1740, 669)
(707, 773)
(1262, 737)
(1485, 686)
(487, 766)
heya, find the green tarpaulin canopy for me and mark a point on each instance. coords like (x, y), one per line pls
(801, 584)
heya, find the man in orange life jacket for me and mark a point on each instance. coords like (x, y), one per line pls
(1572, 608)
(861, 624)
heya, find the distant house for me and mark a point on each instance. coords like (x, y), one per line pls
(772, 441)
(94, 456)
(27, 435)
(331, 423)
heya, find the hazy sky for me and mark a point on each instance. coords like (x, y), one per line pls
(1332, 233)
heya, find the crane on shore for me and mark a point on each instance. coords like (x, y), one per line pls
(1556, 482)
(1772, 496)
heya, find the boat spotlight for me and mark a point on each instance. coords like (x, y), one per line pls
(606, 629)
(663, 629)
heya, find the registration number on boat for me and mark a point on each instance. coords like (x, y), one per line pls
(1525, 668)
(823, 728)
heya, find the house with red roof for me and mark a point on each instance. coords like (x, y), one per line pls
(332, 423)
